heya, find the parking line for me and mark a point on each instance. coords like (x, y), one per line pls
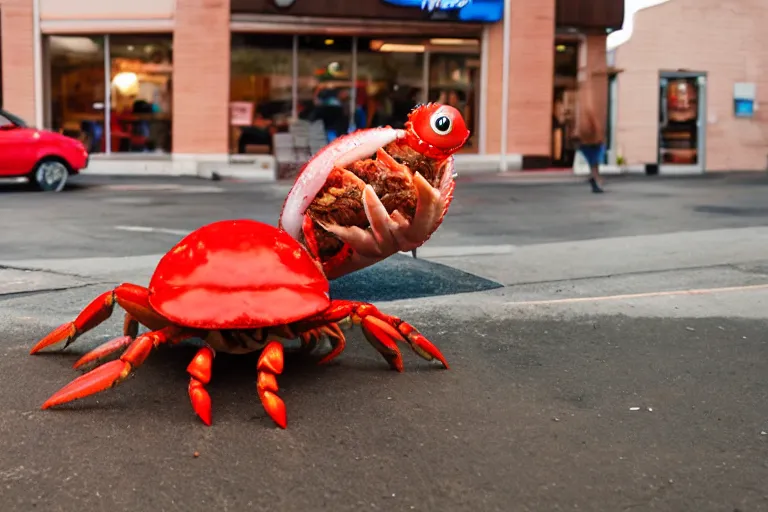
(147, 229)
(696, 291)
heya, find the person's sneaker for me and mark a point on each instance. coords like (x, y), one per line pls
(595, 187)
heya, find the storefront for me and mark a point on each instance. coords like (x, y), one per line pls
(687, 102)
(262, 83)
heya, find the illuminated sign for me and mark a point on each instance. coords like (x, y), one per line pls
(436, 5)
(460, 10)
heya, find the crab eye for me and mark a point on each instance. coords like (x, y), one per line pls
(441, 124)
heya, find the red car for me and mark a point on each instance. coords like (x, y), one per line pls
(46, 158)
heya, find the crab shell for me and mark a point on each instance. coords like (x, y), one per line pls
(240, 274)
(358, 145)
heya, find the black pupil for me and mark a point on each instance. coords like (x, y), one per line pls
(443, 123)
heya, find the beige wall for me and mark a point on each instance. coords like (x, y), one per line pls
(530, 80)
(727, 40)
(201, 61)
(18, 58)
(106, 9)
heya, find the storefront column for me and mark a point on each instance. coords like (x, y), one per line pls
(18, 58)
(597, 68)
(201, 68)
(531, 79)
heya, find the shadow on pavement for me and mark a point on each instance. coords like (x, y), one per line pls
(404, 277)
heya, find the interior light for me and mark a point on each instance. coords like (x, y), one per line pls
(130, 48)
(560, 48)
(328, 42)
(401, 48)
(447, 41)
(126, 82)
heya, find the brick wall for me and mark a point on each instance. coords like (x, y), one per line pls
(530, 80)
(727, 40)
(201, 68)
(18, 58)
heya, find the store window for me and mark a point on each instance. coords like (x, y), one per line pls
(325, 82)
(454, 79)
(389, 83)
(128, 76)
(292, 94)
(77, 85)
(141, 70)
(261, 90)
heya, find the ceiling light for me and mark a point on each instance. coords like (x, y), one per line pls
(401, 48)
(447, 41)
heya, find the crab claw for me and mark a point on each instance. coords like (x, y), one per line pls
(342, 151)
(390, 234)
(385, 233)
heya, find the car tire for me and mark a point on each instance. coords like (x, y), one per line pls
(50, 175)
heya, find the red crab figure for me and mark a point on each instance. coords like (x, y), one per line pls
(243, 286)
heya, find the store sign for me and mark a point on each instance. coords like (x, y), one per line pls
(468, 11)
(461, 10)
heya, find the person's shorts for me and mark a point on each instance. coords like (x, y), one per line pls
(593, 153)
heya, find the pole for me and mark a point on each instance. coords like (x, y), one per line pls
(505, 83)
(38, 63)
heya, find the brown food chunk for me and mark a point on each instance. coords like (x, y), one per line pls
(431, 169)
(340, 200)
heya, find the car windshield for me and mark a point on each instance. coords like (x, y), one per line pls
(12, 118)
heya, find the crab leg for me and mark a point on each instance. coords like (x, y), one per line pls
(102, 352)
(114, 372)
(130, 326)
(130, 296)
(382, 331)
(200, 371)
(269, 366)
(335, 336)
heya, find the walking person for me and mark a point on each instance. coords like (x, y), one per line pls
(590, 132)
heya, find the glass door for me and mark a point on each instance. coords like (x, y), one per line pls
(454, 79)
(682, 101)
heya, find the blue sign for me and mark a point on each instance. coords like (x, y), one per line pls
(478, 11)
(744, 108)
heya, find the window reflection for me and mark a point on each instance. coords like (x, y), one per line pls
(454, 79)
(389, 85)
(141, 87)
(77, 88)
(325, 82)
(260, 90)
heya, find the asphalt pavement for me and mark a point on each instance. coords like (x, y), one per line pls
(608, 352)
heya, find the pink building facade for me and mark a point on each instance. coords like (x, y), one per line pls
(180, 86)
(692, 95)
